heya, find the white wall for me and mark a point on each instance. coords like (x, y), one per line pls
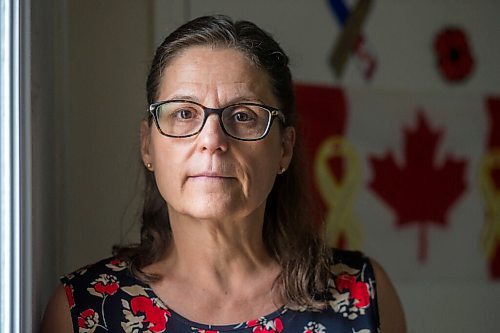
(400, 31)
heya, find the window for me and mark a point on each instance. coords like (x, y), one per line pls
(15, 254)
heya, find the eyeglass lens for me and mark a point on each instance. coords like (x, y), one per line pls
(242, 121)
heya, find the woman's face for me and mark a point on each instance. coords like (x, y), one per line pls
(211, 175)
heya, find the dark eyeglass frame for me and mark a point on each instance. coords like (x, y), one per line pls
(273, 113)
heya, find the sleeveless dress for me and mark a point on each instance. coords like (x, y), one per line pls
(105, 297)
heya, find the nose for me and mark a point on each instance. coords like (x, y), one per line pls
(212, 137)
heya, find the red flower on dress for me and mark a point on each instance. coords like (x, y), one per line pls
(117, 265)
(154, 316)
(265, 326)
(104, 285)
(69, 295)
(358, 291)
(454, 56)
(88, 321)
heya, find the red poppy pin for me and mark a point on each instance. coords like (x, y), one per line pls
(454, 56)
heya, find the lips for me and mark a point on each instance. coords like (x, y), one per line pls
(210, 177)
(210, 174)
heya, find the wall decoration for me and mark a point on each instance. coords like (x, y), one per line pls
(489, 181)
(337, 176)
(391, 174)
(335, 165)
(351, 40)
(419, 190)
(454, 56)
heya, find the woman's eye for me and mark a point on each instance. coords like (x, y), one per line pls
(184, 114)
(242, 116)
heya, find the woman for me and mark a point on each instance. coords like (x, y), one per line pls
(226, 240)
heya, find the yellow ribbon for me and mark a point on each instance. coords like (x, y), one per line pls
(490, 237)
(338, 195)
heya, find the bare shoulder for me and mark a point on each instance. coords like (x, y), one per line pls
(392, 319)
(57, 317)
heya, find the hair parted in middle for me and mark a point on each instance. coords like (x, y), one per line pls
(290, 235)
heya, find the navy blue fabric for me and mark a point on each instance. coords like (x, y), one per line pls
(105, 297)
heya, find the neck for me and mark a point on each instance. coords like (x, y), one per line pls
(218, 271)
(225, 253)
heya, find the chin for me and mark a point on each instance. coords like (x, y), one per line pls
(213, 207)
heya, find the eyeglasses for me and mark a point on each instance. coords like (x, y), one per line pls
(242, 121)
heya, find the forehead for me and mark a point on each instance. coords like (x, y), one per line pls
(204, 72)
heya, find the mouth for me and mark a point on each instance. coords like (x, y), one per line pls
(211, 176)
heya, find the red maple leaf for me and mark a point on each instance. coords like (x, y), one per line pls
(420, 190)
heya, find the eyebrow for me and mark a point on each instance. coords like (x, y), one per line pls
(245, 99)
(184, 97)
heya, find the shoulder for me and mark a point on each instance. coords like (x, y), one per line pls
(57, 317)
(369, 286)
(352, 286)
(78, 288)
(354, 265)
(93, 282)
(392, 317)
(100, 279)
(109, 266)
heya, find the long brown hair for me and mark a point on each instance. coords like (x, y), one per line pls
(290, 235)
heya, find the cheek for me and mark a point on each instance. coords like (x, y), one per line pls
(167, 167)
(263, 167)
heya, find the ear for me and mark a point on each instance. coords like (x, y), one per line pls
(145, 142)
(287, 144)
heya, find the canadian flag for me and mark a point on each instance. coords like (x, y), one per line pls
(412, 179)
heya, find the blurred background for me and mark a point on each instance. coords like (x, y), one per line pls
(400, 106)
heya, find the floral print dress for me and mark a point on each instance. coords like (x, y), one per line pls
(105, 297)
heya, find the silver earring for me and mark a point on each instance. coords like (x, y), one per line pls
(281, 170)
(149, 166)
